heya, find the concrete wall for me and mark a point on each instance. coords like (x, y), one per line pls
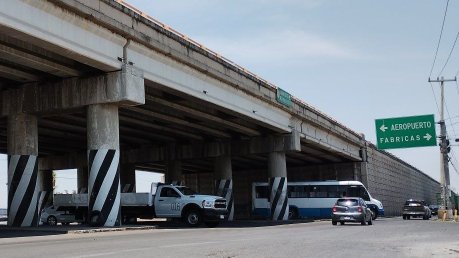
(393, 181)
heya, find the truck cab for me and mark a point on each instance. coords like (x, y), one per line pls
(171, 201)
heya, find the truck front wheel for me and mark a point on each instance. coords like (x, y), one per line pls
(193, 217)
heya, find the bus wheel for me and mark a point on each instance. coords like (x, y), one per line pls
(292, 213)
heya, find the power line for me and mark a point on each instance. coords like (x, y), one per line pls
(454, 167)
(449, 116)
(450, 53)
(439, 39)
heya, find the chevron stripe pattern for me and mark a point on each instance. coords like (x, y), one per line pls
(225, 189)
(23, 191)
(104, 185)
(278, 198)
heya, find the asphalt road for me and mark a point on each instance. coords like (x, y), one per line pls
(388, 237)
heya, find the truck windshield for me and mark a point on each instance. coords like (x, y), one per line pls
(186, 191)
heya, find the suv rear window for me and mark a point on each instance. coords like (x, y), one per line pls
(347, 202)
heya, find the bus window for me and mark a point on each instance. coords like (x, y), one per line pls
(318, 191)
(333, 191)
(365, 194)
(298, 191)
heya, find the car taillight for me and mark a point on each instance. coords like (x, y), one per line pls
(334, 209)
(359, 209)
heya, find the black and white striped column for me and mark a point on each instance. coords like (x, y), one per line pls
(23, 190)
(223, 173)
(225, 189)
(277, 173)
(23, 187)
(104, 191)
(104, 185)
(278, 198)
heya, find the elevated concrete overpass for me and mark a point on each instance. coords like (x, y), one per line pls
(97, 86)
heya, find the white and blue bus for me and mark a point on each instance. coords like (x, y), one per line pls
(313, 199)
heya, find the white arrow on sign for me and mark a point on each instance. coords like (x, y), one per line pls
(427, 136)
(383, 128)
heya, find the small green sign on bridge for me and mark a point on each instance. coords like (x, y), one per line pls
(405, 132)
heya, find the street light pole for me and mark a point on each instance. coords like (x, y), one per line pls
(444, 166)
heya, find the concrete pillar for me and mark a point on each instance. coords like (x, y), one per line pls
(103, 163)
(277, 173)
(223, 174)
(23, 188)
(174, 172)
(82, 179)
(127, 176)
(46, 188)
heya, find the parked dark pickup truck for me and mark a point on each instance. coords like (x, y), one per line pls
(416, 208)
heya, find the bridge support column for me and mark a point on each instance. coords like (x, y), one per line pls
(223, 174)
(82, 179)
(174, 172)
(127, 176)
(277, 173)
(103, 163)
(23, 187)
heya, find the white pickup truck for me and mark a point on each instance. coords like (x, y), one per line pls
(163, 201)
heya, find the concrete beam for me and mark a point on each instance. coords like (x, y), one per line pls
(36, 62)
(257, 145)
(179, 121)
(17, 75)
(234, 126)
(66, 161)
(125, 87)
(160, 128)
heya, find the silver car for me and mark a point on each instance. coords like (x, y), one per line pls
(351, 209)
(59, 214)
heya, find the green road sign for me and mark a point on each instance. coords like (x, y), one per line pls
(284, 97)
(405, 132)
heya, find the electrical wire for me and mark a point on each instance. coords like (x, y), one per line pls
(449, 118)
(454, 167)
(439, 39)
(449, 56)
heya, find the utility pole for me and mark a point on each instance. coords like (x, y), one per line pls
(444, 149)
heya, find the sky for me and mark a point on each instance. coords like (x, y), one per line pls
(355, 60)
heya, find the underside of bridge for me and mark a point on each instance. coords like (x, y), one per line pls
(168, 117)
(63, 108)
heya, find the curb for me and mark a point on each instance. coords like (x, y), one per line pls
(75, 231)
(98, 230)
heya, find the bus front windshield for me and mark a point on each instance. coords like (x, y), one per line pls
(358, 191)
